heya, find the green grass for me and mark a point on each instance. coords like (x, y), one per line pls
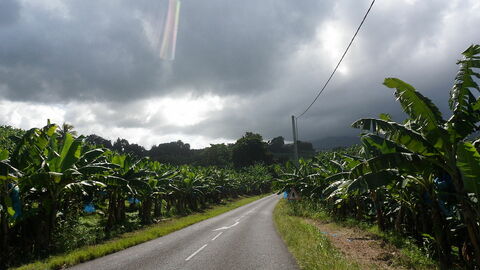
(413, 256)
(308, 245)
(133, 238)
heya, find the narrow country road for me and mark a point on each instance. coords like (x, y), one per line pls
(244, 238)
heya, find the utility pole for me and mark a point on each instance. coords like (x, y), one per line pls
(295, 140)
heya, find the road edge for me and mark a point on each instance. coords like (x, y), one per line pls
(131, 239)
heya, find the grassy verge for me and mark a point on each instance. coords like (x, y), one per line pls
(308, 245)
(413, 257)
(133, 238)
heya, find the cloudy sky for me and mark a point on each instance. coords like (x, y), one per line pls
(240, 65)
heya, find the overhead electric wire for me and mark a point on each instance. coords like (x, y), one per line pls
(339, 62)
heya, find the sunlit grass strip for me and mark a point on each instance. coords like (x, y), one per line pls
(133, 238)
(308, 245)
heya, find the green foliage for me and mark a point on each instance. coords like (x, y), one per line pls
(308, 245)
(9, 136)
(468, 163)
(249, 150)
(51, 175)
(216, 155)
(419, 178)
(130, 239)
(411, 257)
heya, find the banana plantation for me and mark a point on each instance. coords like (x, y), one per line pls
(419, 178)
(51, 180)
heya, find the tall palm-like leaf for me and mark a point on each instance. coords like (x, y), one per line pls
(463, 103)
(426, 115)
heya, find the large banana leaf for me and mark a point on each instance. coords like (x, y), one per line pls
(71, 151)
(383, 145)
(404, 162)
(337, 177)
(416, 105)
(96, 168)
(335, 188)
(422, 110)
(462, 101)
(468, 161)
(399, 134)
(373, 180)
(90, 156)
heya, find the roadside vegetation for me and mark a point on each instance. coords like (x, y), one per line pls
(126, 240)
(352, 243)
(417, 180)
(59, 193)
(308, 245)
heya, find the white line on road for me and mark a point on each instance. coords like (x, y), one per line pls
(238, 219)
(216, 236)
(195, 253)
(226, 228)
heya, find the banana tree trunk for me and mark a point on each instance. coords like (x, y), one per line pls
(120, 209)
(472, 229)
(399, 219)
(51, 223)
(168, 206)
(3, 239)
(441, 239)
(157, 210)
(3, 228)
(111, 212)
(180, 206)
(193, 204)
(378, 208)
(146, 213)
(468, 214)
(360, 209)
(203, 203)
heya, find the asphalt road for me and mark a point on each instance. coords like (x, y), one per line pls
(244, 238)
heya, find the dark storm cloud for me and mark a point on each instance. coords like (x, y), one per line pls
(9, 12)
(235, 46)
(94, 52)
(265, 59)
(99, 50)
(418, 43)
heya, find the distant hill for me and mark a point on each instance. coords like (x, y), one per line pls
(333, 142)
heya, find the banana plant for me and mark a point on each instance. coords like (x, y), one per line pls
(190, 188)
(426, 140)
(9, 204)
(51, 165)
(163, 176)
(127, 178)
(304, 178)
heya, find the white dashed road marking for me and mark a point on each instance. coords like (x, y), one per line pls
(216, 236)
(237, 221)
(195, 253)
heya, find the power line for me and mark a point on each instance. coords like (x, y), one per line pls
(339, 62)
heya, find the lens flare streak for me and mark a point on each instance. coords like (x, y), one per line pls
(169, 39)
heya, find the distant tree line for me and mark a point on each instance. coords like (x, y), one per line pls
(248, 150)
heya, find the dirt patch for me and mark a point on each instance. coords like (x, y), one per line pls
(368, 250)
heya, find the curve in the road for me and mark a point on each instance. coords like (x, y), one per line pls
(244, 238)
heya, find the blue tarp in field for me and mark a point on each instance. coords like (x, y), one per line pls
(89, 208)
